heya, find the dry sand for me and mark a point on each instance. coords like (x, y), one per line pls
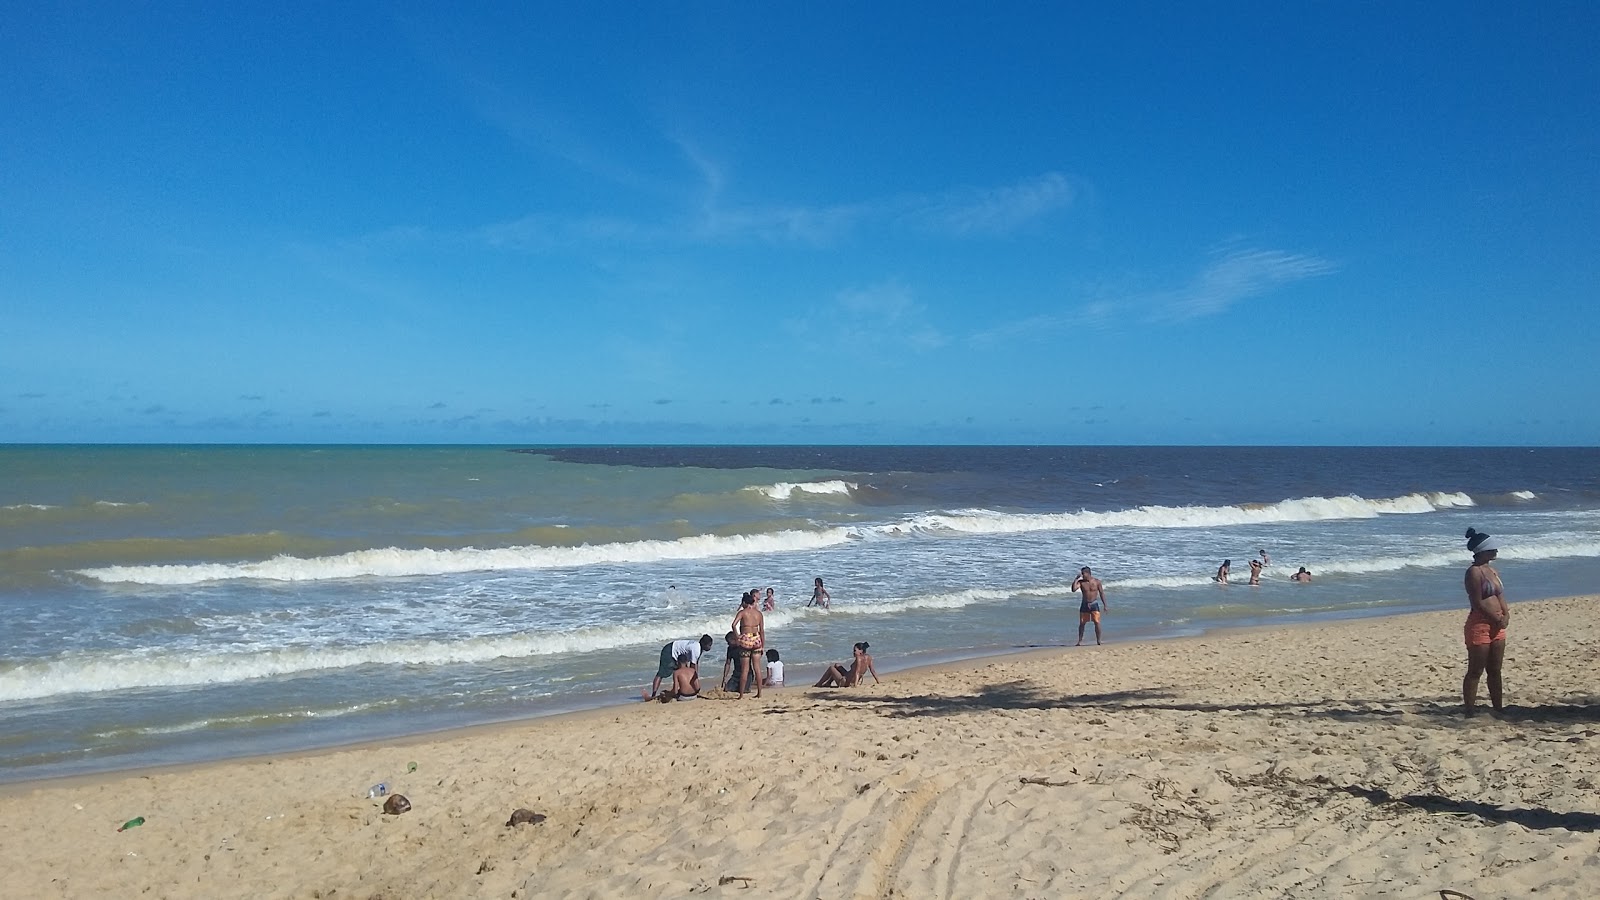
(1319, 761)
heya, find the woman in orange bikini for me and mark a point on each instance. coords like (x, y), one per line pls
(1486, 622)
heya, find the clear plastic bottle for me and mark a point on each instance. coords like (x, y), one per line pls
(378, 790)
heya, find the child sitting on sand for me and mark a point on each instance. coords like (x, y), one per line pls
(774, 670)
(685, 681)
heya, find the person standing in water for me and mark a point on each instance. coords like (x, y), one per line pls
(819, 595)
(1222, 572)
(1094, 600)
(1486, 621)
(1255, 571)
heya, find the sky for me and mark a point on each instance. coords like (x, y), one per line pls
(818, 222)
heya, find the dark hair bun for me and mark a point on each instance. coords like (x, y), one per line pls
(1472, 533)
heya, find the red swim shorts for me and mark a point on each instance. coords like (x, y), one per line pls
(1480, 632)
(1085, 618)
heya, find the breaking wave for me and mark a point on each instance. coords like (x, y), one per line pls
(785, 490)
(394, 562)
(1306, 509)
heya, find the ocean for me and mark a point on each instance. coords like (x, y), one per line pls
(166, 604)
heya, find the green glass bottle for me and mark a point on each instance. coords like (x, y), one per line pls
(132, 823)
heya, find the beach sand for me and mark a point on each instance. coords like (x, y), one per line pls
(1327, 760)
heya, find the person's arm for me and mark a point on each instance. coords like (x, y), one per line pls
(873, 671)
(1100, 591)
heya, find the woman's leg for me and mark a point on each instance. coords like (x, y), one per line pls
(1496, 655)
(1477, 661)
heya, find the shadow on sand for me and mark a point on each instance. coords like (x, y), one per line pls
(1025, 695)
(1531, 818)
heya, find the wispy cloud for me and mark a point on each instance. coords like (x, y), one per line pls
(1233, 275)
(989, 211)
(869, 321)
(956, 214)
(1239, 274)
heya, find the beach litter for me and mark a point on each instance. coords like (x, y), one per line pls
(396, 804)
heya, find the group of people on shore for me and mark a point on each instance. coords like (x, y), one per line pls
(1256, 567)
(1488, 615)
(747, 644)
(1485, 634)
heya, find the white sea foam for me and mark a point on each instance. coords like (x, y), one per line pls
(1525, 495)
(1306, 509)
(396, 563)
(785, 490)
(98, 671)
(399, 563)
(34, 506)
(1553, 549)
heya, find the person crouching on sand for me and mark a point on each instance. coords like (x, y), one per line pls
(676, 650)
(839, 676)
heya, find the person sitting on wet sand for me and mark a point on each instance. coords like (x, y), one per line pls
(1302, 576)
(685, 681)
(774, 669)
(675, 650)
(840, 676)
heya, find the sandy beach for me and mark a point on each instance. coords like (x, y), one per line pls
(1327, 760)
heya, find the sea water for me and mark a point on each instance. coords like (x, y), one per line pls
(176, 603)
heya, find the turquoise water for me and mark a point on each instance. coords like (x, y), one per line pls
(177, 603)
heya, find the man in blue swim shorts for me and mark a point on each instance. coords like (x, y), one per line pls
(1094, 600)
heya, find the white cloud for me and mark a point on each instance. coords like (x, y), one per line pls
(993, 210)
(955, 214)
(869, 321)
(1237, 275)
(1233, 275)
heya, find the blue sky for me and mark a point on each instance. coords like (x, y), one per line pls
(1266, 223)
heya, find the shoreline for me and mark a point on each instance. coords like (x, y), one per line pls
(942, 665)
(1318, 759)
